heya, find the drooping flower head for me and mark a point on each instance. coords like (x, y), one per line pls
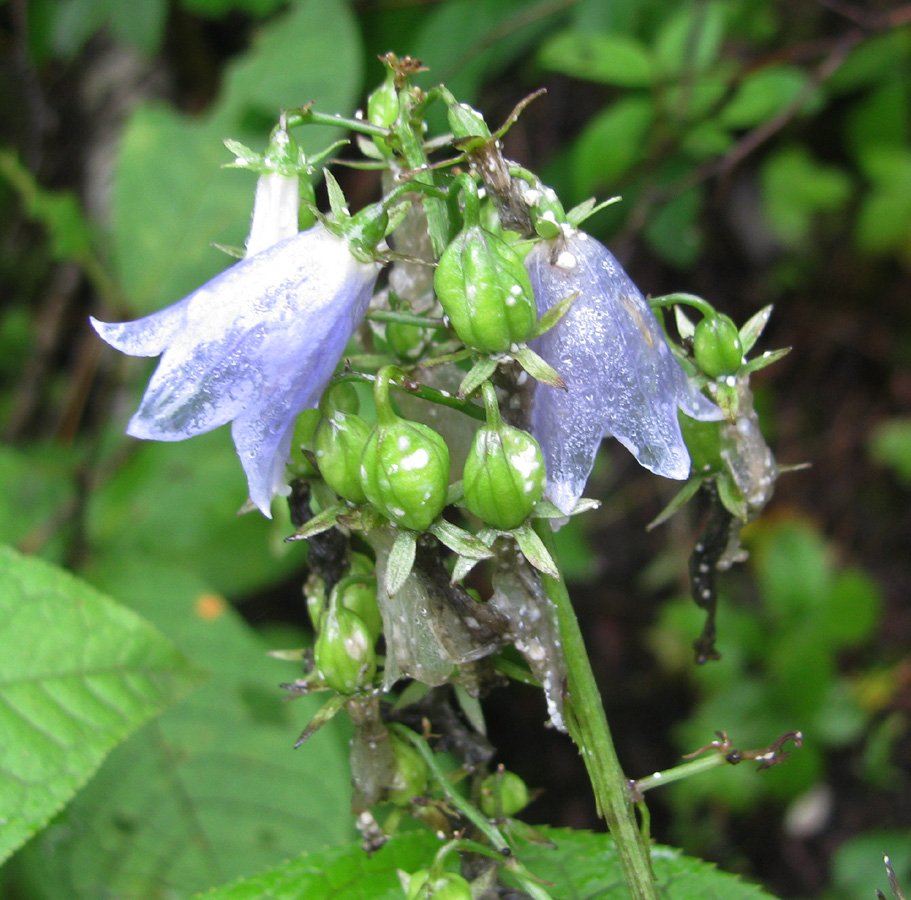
(621, 376)
(254, 346)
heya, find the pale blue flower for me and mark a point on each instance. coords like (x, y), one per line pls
(255, 346)
(622, 378)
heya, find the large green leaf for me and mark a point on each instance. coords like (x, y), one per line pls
(177, 504)
(172, 200)
(211, 791)
(78, 673)
(577, 864)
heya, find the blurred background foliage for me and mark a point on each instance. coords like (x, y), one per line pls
(762, 149)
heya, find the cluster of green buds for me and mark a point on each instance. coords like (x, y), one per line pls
(348, 624)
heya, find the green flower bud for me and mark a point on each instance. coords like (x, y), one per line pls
(360, 598)
(404, 466)
(483, 286)
(383, 103)
(503, 794)
(338, 443)
(383, 110)
(343, 653)
(448, 886)
(406, 341)
(464, 121)
(717, 346)
(703, 440)
(343, 396)
(504, 471)
(410, 779)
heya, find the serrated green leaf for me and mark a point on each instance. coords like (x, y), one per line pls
(690, 38)
(78, 673)
(674, 231)
(575, 863)
(213, 789)
(796, 188)
(890, 445)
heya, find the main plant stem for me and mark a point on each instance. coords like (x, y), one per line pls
(588, 727)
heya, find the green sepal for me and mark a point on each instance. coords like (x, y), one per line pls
(754, 327)
(544, 509)
(534, 551)
(460, 541)
(763, 360)
(479, 373)
(587, 208)
(322, 521)
(537, 367)
(553, 315)
(687, 492)
(401, 560)
(324, 715)
(731, 498)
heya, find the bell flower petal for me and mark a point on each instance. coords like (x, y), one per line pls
(275, 208)
(622, 378)
(256, 345)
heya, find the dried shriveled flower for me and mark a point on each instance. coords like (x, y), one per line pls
(254, 346)
(621, 376)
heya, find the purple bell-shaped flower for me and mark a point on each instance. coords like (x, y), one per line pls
(256, 345)
(621, 377)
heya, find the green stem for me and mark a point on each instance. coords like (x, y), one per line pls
(689, 299)
(493, 834)
(589, 730)
(684, 770)
(404, 318)
(308, 116)
(411, 142)
(422, 392)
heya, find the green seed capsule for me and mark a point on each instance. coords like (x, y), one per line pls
(405, 472)
(483, 287)
(338, 444)
(503, 794)
(404, 466)
(717, 346)
(406, 341)
(410, 778)
(504, 471)
(343, 653)
(360, 598)
(383, 110)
